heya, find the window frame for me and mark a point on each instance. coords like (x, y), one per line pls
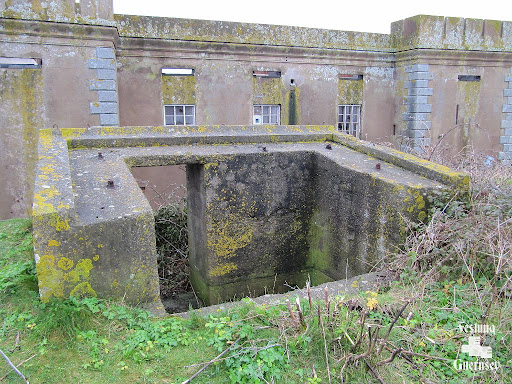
(270, 114)
(184, 114)
(350, 127)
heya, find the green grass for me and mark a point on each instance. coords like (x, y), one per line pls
(98, 341)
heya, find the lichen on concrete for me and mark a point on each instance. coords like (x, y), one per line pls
(179, 90)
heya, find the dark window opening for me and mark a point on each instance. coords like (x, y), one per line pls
(469, 78)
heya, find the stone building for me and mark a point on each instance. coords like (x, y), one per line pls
(68, 63)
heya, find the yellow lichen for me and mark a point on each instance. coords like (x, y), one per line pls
(178, 90)
(350, 91)
(53, 243)
(223, 269)
(65, 264)
(83, 289)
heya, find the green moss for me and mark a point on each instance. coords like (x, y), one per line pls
(179, 89)
(468, 99)
(273, 92)
(319, 244)
(21, 92)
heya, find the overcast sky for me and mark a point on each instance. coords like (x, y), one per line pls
(348, 15)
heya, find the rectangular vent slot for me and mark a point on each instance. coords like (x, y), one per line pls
(469, 78)
(178, 71)
(343, 76)
(271, 74)
(19, 62)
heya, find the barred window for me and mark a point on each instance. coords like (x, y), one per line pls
(266, 114)
(349, 119)
(179, 114)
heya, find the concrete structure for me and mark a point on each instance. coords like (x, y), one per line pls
(430, 78)
(266, 205)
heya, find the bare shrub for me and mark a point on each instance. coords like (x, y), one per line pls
(172, 248)
(470, 237)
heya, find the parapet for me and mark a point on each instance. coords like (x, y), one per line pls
(438, 32)
(98, 12)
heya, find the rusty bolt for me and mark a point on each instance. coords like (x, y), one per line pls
(100, 155)
(328, 146)
(110, 183)
(377, 166)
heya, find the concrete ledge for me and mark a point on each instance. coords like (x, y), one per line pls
(351, 286)
(407, 161)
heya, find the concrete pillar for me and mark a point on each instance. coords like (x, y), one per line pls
(418, 112)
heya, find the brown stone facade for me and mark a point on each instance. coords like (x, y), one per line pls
(430, 78)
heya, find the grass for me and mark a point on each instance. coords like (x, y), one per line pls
(444, 278)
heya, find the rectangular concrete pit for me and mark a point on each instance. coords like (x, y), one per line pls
(270, 205)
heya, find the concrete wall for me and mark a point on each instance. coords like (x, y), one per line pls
(266, 205)
(225, 90)
(58, 93)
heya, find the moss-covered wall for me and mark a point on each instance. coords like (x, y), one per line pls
(179, 90)
(23, 112)
(468, 102)
(68, 11)
(256, 211)
(438, 32)
(273, 91)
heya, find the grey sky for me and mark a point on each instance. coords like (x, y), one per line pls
(365, 16)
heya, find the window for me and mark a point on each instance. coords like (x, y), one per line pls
(349, 119)
(179, 114)
(267, 114)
